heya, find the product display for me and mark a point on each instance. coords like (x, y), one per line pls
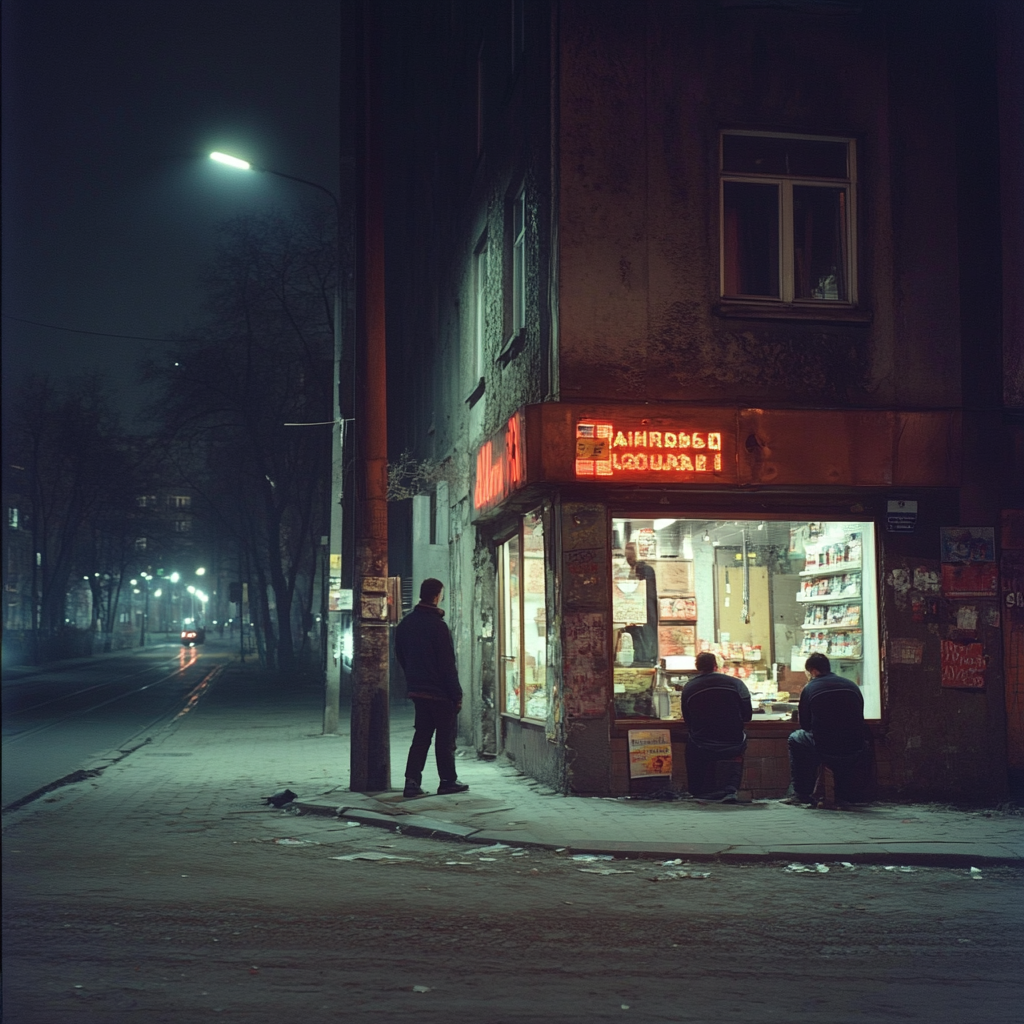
(760, 596)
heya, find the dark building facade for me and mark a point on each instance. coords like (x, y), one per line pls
(704, 319)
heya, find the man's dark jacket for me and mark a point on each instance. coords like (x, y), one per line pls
(425, 651)
(715, 707)
(832, 711)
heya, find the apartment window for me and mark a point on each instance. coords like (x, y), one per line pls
(788, 218)
(12, 517)
(519, 262)
(141, 543)
(182, 526)
(180, 500)
(479, 308)
(146, 500)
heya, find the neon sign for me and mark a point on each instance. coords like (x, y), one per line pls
(500, 465)
(606, 450)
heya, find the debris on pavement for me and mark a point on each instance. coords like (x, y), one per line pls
(671, 876)
(421, 988)
(976, 873)
(296, 842)
(606, 871)
(372, 855)
(280, 798)
(806, 869)
(590, 857)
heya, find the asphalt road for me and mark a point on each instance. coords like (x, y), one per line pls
(249, 917)
(58, 717)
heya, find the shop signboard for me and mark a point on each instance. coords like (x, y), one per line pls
(650, 753)
(500, 465)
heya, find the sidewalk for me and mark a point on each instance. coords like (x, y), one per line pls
(245, 738)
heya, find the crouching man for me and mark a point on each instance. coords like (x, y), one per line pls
(831, 732)
(715, 707)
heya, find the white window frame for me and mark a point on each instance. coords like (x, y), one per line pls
(518, 226)
(785, 185)
(479, 308)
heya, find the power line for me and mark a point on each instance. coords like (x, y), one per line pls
(95, 334)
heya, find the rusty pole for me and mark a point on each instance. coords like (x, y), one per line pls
(370, 766)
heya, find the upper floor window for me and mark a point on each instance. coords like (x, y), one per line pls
(146, 500)
(180, 500)
(519, 262)
(479, 307)
(788, 226)
(13, 518)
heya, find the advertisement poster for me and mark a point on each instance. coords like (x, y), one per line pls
(970, 579)
(585, 661)
(963, 665)
(968, 543)
(650, 753)
(629, 601)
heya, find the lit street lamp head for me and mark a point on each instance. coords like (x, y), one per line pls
(231, 161)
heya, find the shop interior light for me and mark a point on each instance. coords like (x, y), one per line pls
(707, 537)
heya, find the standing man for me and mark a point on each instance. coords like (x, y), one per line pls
(715, 707)
(645, 636)
(425, 651)
(831, 732)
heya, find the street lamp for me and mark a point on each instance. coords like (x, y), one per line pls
(332, 681)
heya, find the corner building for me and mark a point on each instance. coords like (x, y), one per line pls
(702, 316)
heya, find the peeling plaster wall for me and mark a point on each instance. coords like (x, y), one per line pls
(645, 90)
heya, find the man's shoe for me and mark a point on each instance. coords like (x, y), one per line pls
(411, 789)
(447, 788)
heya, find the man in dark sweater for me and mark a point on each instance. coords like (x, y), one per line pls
(425, 651)
(715, 707)
(831, 732)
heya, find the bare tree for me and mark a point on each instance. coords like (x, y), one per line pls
(263, 359)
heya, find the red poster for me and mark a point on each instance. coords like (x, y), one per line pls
(970, 579)
(963, 665)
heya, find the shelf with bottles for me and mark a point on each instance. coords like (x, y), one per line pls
(839, 615)
(829, 588)
(826, 559)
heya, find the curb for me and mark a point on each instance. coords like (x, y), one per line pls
(429, 828)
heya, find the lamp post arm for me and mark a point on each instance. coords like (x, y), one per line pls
(304, 181)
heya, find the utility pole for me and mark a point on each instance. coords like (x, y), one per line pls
(370, 766)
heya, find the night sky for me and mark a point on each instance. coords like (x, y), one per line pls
(110, 202)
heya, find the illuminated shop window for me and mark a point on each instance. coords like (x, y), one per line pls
(761, 595)
(523, 622)
(788, 228)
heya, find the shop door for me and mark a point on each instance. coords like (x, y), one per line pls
(733, 618)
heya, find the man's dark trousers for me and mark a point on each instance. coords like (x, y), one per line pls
(805, 758)
(435, 720)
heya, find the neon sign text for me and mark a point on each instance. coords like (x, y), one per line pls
(604, 450)
(500, 466)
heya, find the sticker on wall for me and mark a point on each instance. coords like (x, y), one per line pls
(906, 651)
(650, 753)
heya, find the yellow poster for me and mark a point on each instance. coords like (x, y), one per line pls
(650, 753)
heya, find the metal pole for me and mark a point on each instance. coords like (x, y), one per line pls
(370, 746)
